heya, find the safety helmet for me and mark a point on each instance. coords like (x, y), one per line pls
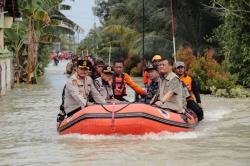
(156, 58)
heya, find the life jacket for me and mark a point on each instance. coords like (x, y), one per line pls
(119, 86)
(187, 80)
(146, 80)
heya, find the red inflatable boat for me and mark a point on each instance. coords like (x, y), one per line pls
(135, 119)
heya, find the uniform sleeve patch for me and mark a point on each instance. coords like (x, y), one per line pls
(97, 84)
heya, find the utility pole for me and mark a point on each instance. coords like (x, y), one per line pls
(172, 16)
(143, 33)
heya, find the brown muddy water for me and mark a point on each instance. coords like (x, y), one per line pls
(28, 133)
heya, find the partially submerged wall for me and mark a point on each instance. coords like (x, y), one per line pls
(6, 71)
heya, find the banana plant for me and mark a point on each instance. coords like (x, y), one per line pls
(42, 27)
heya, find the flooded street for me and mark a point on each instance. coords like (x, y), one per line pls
(28, 134)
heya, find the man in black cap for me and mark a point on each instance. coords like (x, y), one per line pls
(78, 90)
(153, 87)
(103, 84)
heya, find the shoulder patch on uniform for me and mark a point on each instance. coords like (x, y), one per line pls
(97, 83)
(74, 82)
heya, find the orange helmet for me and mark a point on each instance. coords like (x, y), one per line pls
(156, 58)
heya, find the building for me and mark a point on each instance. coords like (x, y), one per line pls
(8, 13)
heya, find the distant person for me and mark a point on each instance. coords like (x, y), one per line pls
(170, 89)
(194, 100)
(121, 79)
(71, 65)
(78, 90)
(55, 58)
(87, 62)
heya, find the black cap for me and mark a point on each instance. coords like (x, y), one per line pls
(82, 64)
(151, 67)
(108, 70)
(99, 62)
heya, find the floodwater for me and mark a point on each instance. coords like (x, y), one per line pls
(28, 134)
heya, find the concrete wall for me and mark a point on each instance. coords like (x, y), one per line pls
(6, 75)
(6, 65)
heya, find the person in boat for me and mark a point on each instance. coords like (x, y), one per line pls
(170, 95)
(78, 90)
(71, 66)
(98, 69)
(146, 79)
(87, 62)
(121, 79)
(103, 84)
(194, 100)
(153, 86)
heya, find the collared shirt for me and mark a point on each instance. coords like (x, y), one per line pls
(78, 91)
(171, 83)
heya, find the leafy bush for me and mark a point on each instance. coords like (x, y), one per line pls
(239, 91)
(186, 55)
(212, 77)
(43, 59)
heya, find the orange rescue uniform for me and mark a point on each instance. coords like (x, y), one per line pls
(119, 85)
(146, 80)
(188, 81)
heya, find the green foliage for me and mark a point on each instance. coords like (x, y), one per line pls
(212, 76)
(41, 25)
(239, 91)
(235, 39)
(192, 23)
(43, 58)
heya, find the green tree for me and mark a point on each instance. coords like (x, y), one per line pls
(233, 36)
(42, 24)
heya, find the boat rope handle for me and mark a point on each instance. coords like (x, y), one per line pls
(113, 118)
(114, 111)
(113, 114)
(187, 115)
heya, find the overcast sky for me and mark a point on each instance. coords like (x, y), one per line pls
(81, 13)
